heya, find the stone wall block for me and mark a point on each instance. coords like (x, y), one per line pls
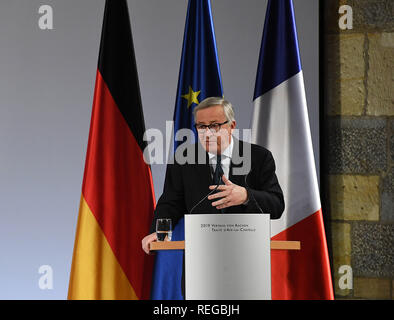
(387, 197)
(357, 145)
(354, 197)
(380, 74)
(372, 15)
(372, 249)
(372, 288)
(341, 247)
(345, 70)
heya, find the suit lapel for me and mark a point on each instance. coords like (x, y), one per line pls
(203, 179)
(236, 162)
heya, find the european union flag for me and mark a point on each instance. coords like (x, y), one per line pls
(199, 78)
(199, 75)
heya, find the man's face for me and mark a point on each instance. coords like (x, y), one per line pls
(214, 141)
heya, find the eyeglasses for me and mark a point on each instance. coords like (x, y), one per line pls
(213, 127)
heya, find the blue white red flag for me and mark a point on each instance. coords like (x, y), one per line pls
(280, 123)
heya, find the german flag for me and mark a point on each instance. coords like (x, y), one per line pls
(117, 201)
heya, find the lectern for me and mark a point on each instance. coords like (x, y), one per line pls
(227, 256)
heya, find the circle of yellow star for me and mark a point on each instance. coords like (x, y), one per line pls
(191, 97)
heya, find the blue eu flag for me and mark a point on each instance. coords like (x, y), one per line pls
(199, 78)
(199, 75)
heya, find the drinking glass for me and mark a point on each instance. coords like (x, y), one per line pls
(164, 229)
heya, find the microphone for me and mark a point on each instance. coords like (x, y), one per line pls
(212, 191)
(250, 193)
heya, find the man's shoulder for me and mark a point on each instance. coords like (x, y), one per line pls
(256, 150)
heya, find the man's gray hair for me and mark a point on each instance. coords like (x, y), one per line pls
(213, 101)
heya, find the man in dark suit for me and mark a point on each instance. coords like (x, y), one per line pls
(238, 176)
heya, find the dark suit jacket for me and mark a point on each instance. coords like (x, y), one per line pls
(186, 184)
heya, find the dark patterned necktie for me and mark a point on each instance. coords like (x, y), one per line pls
(217, 175)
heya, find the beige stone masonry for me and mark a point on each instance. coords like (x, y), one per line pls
(354, 197)
(392, 290)
(345, 71)
(381, 74)
(372, 288)
(341, 248)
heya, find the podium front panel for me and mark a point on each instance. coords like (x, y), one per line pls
(227, 257)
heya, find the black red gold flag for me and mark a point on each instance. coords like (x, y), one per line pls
(117, 200)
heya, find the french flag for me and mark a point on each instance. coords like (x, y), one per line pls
(280, 123)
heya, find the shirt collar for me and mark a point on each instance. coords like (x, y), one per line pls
(228, 152)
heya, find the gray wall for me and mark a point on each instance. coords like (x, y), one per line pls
(46, 89)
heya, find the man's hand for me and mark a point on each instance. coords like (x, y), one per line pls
(230, 194)
(147, 240)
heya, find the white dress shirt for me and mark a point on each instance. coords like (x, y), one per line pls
(226, 159)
